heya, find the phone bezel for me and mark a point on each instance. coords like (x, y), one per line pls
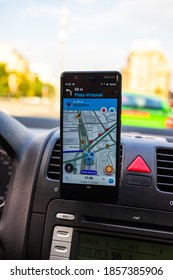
(104, 193)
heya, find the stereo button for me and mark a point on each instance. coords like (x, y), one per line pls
(61, 249)
(62, 233)
(64, 216)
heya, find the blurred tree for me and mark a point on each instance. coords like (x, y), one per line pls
(40, 89)
(16, 84)
(37, 86)
(23, 88)
(4, 88)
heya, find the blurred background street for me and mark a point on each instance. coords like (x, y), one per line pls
(31, 107)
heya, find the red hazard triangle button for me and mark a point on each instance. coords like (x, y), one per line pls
(139, 165)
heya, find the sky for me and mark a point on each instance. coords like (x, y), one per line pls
(59, 35)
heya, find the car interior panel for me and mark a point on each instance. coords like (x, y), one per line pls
(35, 219)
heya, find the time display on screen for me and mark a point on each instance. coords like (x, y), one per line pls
(100, 247)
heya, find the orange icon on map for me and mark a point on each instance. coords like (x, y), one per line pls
(109, 169)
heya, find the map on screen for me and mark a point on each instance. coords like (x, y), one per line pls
(89, 142)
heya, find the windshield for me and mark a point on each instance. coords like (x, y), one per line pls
(40, 39)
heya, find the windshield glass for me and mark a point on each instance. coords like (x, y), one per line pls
(40, 39)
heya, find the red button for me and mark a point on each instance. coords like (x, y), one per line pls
(139, 165)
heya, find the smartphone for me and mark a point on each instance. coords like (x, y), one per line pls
(90, 135)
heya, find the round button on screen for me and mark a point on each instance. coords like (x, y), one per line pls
(69, 167)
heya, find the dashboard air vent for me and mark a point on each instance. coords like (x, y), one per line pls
(54, 164)
(165, 170)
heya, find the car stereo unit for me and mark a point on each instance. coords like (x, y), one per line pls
(74, 232)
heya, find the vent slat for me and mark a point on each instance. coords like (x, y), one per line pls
(54, 163)
(162, 155)
(168, 185)
(51, 172)
(166, 161)
(53, 157)
(165, 176)
(165, 170)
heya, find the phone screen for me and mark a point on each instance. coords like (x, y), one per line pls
(90, 128)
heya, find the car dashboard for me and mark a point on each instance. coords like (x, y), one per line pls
(137, 226)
